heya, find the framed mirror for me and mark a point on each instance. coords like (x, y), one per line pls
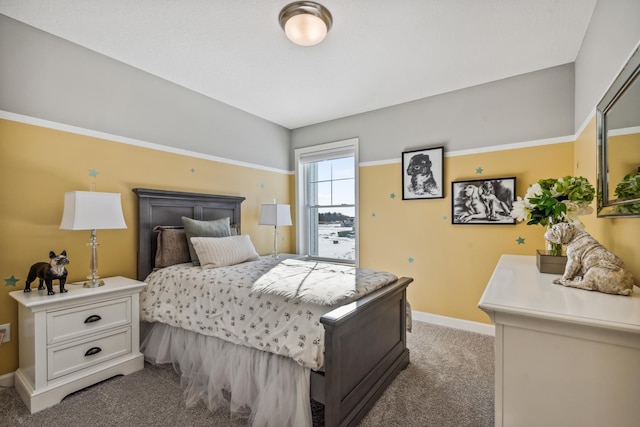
(618, 144)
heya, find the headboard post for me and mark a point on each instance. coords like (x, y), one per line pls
(161, 207)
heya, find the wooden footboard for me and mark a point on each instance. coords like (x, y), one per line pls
(365, 348)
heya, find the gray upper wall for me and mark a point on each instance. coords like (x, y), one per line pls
(528, 107)
(549, 103)
(46, 77)
(49, 78)
(613, 33)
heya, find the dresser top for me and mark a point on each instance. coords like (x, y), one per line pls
(39, 300)
(516, 287)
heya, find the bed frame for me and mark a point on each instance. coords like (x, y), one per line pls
(365, 341)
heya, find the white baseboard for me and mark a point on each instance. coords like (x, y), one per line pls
(6, 380)
(450, 322)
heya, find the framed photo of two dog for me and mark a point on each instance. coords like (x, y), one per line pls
(483, 201)
(423, 174)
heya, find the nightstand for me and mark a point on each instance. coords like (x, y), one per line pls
(76, 339)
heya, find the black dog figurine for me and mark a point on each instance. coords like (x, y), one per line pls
(422, 180)
(47, 272)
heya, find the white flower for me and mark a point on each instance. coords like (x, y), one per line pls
(532, 191)
(556, 200)
(520, 210)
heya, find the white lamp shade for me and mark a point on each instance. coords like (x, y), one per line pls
(274, 214)
(90, 210)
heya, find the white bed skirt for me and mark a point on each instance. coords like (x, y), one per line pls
(268, 389)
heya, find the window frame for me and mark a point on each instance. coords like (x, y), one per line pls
(321, 152)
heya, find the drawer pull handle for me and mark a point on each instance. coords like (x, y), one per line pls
(92, 351)
(92, 318)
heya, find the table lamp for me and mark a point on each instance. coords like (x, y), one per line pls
(91, 210)
(275, 215)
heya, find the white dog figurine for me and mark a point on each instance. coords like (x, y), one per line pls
(590, 265)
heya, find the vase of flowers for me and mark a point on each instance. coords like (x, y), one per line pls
(552, 248)
(551, 201)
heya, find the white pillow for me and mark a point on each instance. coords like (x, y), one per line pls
(216, 252)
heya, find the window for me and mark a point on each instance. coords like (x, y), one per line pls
(326, 202)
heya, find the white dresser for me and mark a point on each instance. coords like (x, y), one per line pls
(73, 340)
(564, 356)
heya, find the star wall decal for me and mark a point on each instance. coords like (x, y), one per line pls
(262, 185)
(520, 240)
(93, 173)
(193, 170)
(444, 217)
(373, 214)
(392, 195)
(411, 259)
(11, 281)
(479, 170)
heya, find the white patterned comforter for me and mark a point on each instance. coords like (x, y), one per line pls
(219, 302)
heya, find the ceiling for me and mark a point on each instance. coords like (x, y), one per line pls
(378, 53)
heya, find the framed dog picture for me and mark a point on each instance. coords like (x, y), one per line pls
(483, 201)
(423, 173)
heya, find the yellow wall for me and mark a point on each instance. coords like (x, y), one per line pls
(38, 165)
(450, 264)
(623, 151)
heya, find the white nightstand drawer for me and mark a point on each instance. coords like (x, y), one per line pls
(65, 360)
(73, 323)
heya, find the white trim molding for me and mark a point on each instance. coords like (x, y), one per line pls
(451, 322)
(153, 146)
(130, 141)
(7, 380)
(488, 149)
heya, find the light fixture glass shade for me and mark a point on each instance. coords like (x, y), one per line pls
(91, 210)
(305, 23)
(276, 215)
(305, 30)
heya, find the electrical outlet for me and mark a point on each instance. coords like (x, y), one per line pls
(7, 332)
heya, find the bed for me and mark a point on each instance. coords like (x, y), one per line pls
(364, 340)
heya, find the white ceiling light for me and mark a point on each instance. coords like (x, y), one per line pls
(305, 23)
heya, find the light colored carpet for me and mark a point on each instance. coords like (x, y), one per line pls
(449, 382)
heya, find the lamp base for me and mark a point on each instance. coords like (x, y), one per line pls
(275, 243)
(94, 280)
(93, 283)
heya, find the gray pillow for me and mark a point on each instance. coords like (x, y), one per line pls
(194, 228)
(172, 246)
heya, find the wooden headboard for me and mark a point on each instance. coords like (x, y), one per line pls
(160, 207)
